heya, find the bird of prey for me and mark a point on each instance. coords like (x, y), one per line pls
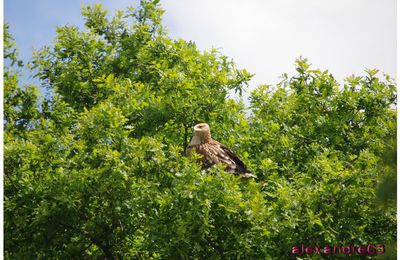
(214, 152)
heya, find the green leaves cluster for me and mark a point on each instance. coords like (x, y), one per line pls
(322, 147)
(96, 169)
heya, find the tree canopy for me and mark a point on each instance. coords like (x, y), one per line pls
(96, 169)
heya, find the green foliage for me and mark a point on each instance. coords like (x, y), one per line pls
(20, 103)
(97, 169)
(324, 144)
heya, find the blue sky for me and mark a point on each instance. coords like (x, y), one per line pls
(33, 22)
(262, 36)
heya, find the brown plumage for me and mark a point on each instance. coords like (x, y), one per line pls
(214, 152)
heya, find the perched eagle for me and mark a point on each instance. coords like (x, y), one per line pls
(214, 152)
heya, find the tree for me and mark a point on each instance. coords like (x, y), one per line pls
(96, 169)
(321, 147)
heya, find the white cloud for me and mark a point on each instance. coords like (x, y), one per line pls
(265, 37)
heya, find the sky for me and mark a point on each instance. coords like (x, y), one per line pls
(263, 36)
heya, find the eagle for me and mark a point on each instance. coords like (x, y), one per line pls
(214, 152)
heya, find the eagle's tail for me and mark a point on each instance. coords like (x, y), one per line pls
(248, 175)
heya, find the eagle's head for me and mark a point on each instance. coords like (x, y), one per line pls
(202, 131)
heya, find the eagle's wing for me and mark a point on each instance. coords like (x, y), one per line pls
(225, 155)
